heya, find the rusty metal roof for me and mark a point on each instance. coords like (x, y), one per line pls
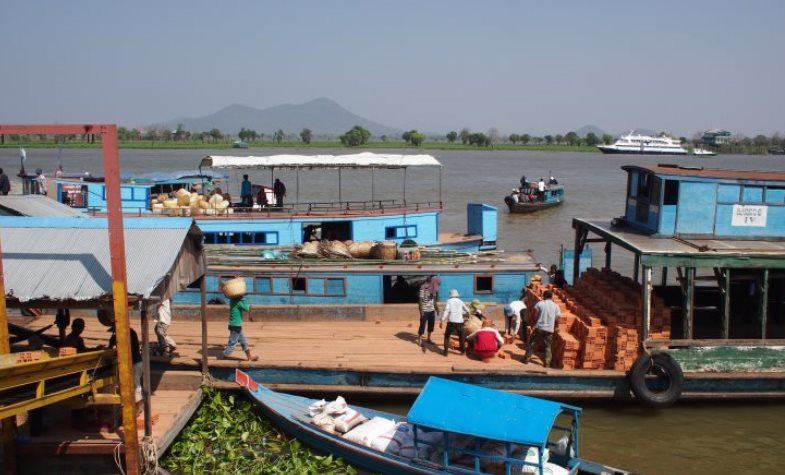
(721, 174)
(67, 259)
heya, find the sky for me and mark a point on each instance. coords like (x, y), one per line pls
(525, 67)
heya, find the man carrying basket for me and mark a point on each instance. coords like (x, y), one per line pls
(235, 290)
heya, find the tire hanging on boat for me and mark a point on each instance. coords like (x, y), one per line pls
(666, 369)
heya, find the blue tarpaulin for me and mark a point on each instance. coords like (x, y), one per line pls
(481, 412)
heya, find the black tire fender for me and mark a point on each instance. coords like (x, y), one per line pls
(669, 373)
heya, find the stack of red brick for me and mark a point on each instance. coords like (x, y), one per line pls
(600, 320)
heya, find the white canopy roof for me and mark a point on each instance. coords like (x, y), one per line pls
(359, 160)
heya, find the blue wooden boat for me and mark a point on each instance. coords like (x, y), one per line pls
(453, 410)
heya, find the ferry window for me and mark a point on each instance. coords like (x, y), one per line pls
(775, 195)
(335, 287)
(266, 238)
(228, 238)
(400, 232)
(264, 285)
(209, 238)
(483, 284)
(671, 196)
(644, 185)
(247, 238)
(298, 285)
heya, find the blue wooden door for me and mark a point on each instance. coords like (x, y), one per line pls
(697, 205)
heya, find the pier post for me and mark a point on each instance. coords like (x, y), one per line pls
(339, 187)
(636, 268)
(297, 175)
(726, 304)
(664, 280)
(689, 301)
(608, 255)
(373, 195)
(646, 295)
(764, 303)
(404, 186)
(148, 425)
(203, 315)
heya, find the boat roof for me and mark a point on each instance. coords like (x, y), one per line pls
(358, 160)
(476, 411)
(716, 173)
(36, 205)
(159, 177)
(684, 251)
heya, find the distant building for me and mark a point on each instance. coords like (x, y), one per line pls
(716, 137)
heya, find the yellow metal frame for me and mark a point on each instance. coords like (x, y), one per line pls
(38, 372)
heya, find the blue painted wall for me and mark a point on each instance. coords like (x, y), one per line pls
(426, 228)
(695, 214)
(346, 288)
(135, 198)
(481, 220)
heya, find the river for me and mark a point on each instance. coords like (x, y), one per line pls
(742, 437)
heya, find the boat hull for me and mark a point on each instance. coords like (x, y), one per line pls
(616, 151)
(526, 208)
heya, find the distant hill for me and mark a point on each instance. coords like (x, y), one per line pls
(323, 116)
(586, 129)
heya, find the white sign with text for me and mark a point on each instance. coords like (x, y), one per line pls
(745, 215)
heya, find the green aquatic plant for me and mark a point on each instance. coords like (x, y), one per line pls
(228, 435)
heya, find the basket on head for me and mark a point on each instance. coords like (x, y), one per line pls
(234, 288)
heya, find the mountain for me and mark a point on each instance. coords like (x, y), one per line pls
(323, 116)
(586, 129)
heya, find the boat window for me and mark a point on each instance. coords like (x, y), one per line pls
(209, 238)
(483, 284)
(752, 194)
(775, 195)
(335, 286)
(264, 285)
(671, 192)
(400, 232)
(298, 284)
(644, 185)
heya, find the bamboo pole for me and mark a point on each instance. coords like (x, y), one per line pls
(726, 305)
(146, 393)
(646, 320)
(203, 315)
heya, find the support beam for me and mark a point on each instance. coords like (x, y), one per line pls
(636, 266)
(297, 179)
(9, 423)
(689, 303)
(764, 303)
(146, 392)
(608, 255)
(339, 186)
(203, 315)
(580, 236)
(726, 304)
(646, 307)
(373, 194)
(664, 277)
(404, 185)
(440, 187)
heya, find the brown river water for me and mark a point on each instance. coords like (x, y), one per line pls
(721, 437)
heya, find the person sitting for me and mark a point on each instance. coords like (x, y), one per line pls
(75, 340)
(553, 181)
(261, 198)
(514, 196)
(486, 341)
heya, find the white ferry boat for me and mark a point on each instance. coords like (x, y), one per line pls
(646, 145)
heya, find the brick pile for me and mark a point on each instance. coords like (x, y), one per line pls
(600, 319)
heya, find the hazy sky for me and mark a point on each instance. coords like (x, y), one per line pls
(518, 66)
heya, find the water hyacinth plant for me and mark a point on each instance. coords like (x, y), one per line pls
(227, 435)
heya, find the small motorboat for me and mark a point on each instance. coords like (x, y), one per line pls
(702, 152)
(536, 201)
(453, 428)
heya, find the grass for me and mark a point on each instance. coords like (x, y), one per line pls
(192, 145)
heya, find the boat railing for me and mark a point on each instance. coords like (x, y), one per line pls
(306, 208)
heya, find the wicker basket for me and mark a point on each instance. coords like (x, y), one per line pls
(361, 249)
(385, 250)
(234, 288)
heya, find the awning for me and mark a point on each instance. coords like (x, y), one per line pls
(486, 413)
(359, 160)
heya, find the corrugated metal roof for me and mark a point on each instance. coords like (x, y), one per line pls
(721, 174)
(70, 259)
(37, 205)
(358, 160)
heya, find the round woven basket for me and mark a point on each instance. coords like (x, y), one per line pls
(385, 250)
(234, 288)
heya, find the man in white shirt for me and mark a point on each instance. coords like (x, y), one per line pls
(513, 315)
(454, 310)
(163, 318)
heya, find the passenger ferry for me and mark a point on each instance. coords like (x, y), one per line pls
(645, 145)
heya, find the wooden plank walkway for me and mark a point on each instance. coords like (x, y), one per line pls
(333, 345)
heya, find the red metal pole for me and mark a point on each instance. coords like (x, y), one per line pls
(120, 296)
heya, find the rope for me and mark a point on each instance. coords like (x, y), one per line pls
(149, 456)
(117, 458)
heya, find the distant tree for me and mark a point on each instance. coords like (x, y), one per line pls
(683, 140)
(416, 138)
(306, 135)
(514, 138)
(465, 134)
(592, 139)
(558, 138)
(245, 135)
(525, 138)
(383, 138)
(278, 136)
(406, 136)
(215, 134)
(760, 141)
(549, 139)
(452, 136)
(180, 133)
(493, 135)
(122, 133)
(572, 139)
(607, 139)
(479, 139)
(355, 137)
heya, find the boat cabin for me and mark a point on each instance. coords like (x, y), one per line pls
(671, 200)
